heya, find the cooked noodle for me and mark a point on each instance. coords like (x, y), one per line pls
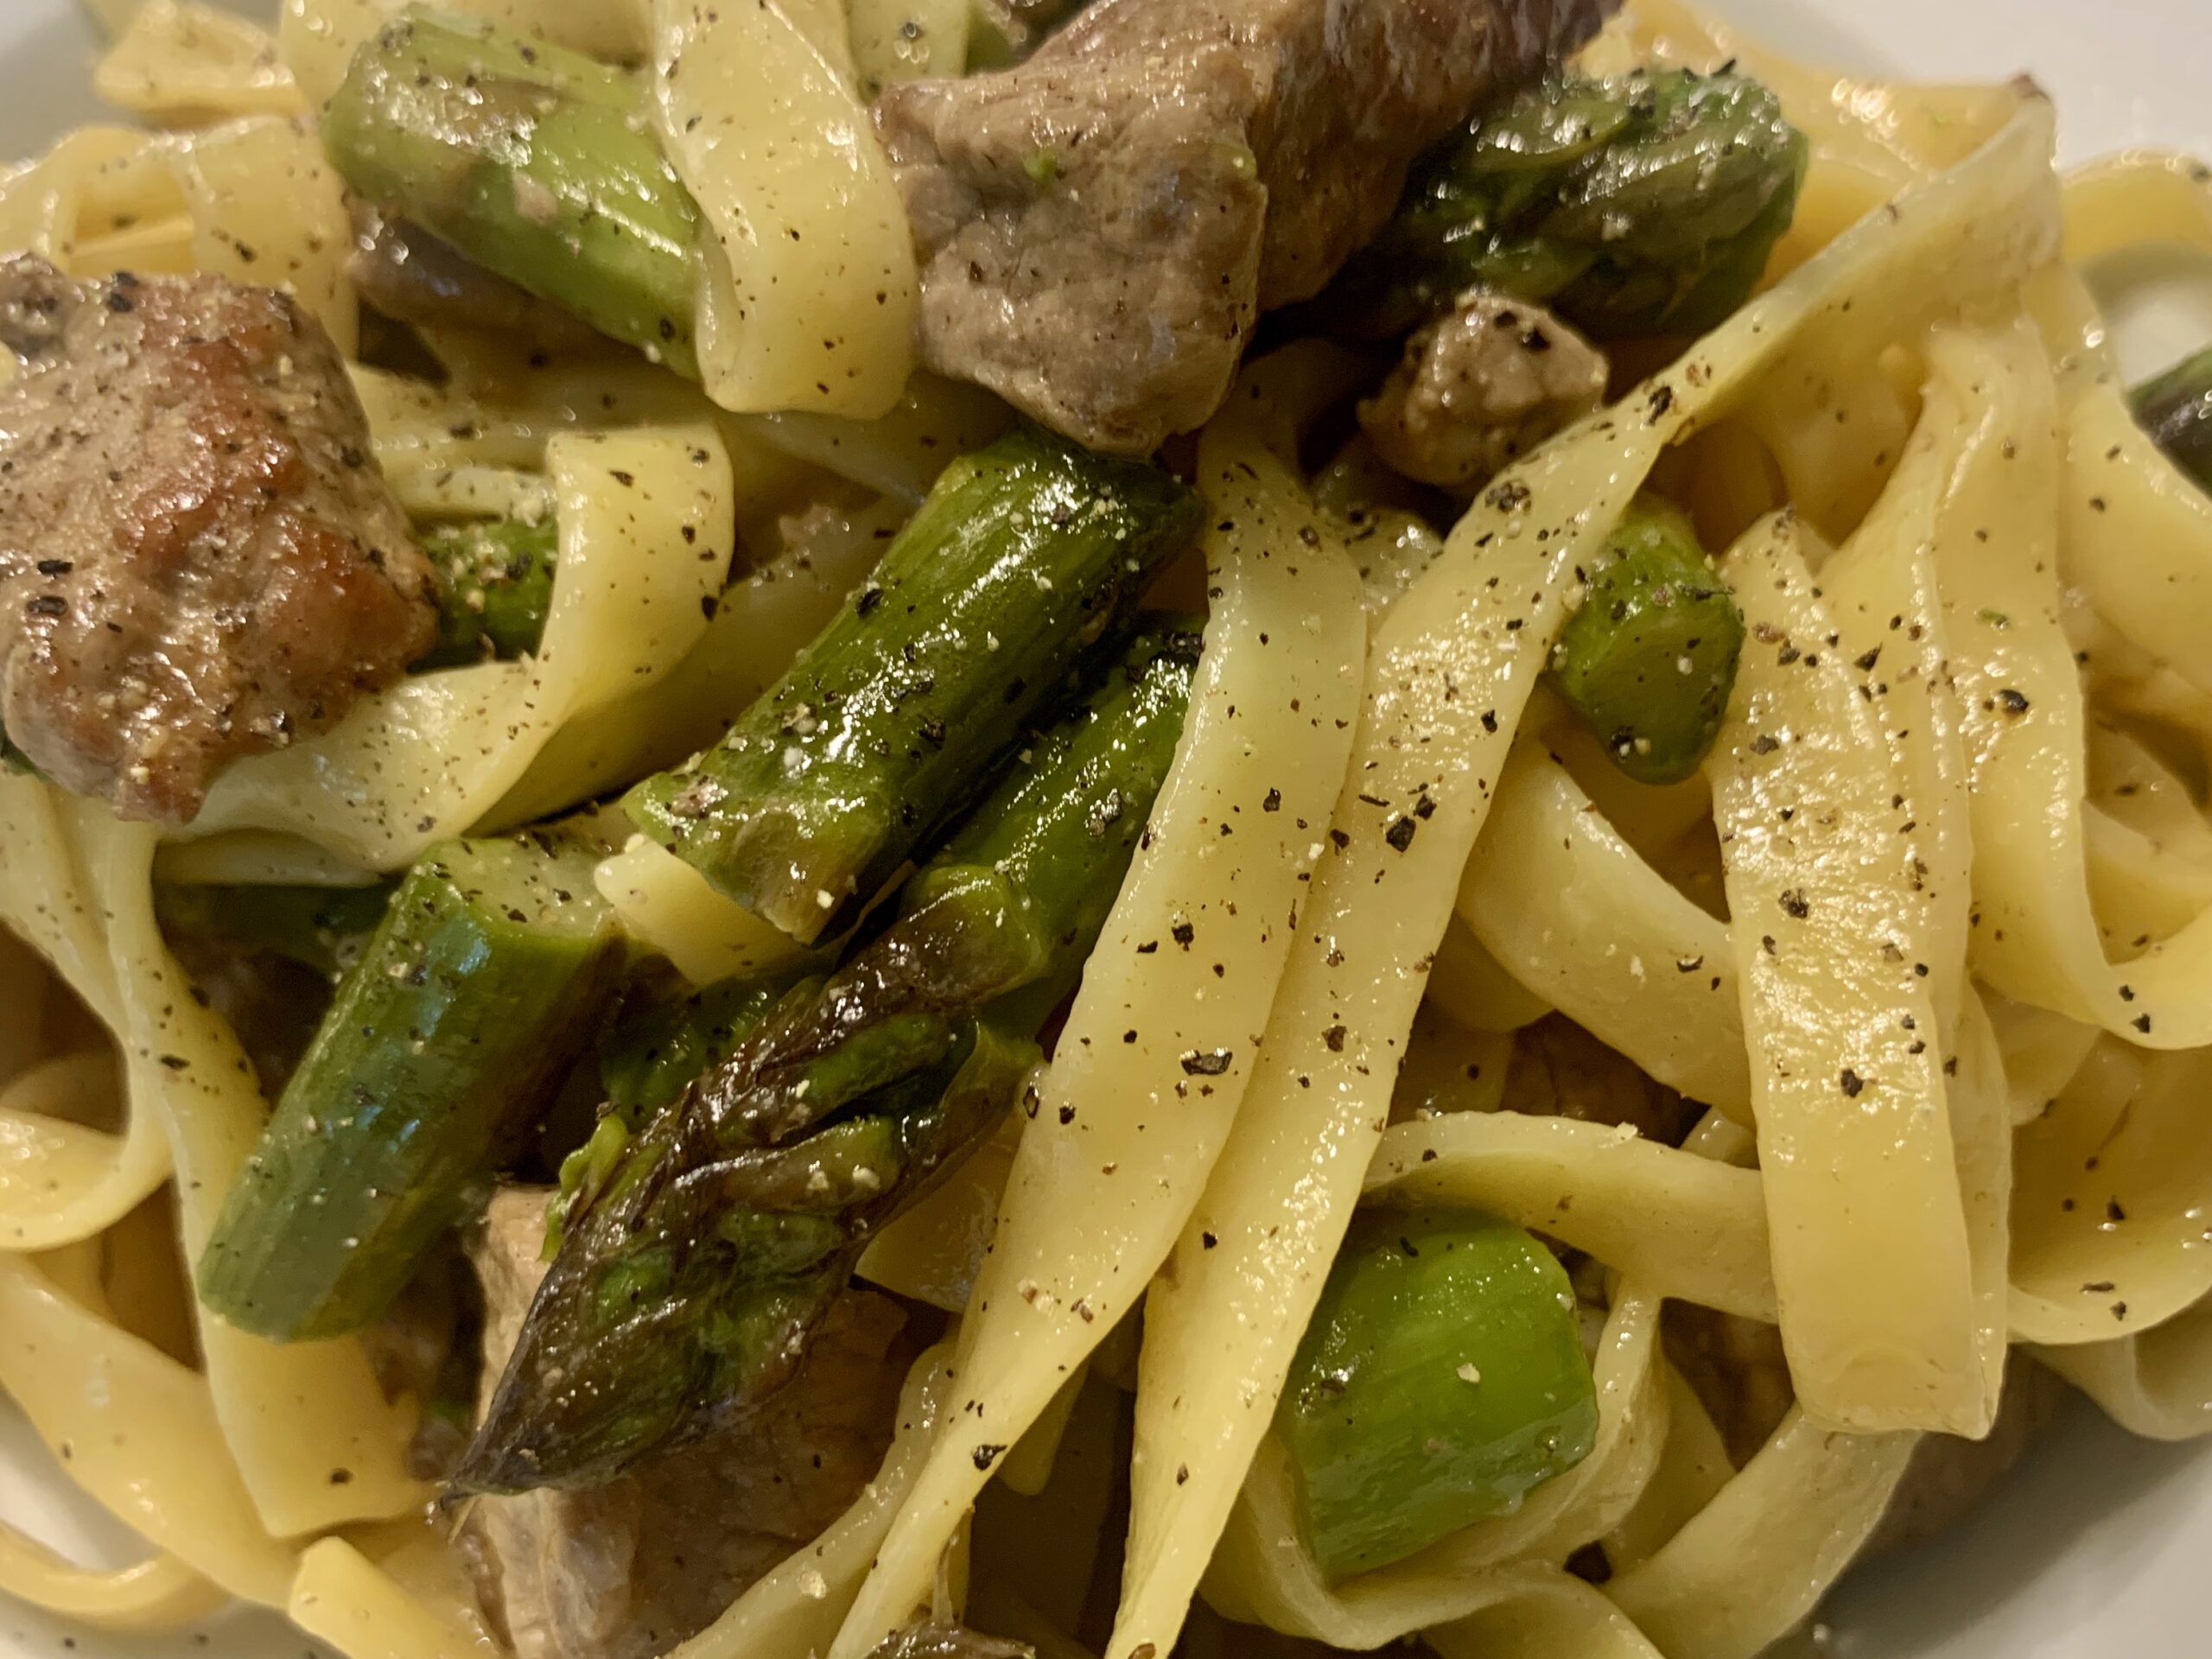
(1917, 441)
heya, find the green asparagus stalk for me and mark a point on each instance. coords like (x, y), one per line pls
(495, 586)
(2176, 409)
(1024, 554)
(1649, 658)
(322, 928)
(535, 162)
(655, 1048)
(1641, 205)
(661, 1042)
(1441, 1380)
(699, 1255)
(465, 1012)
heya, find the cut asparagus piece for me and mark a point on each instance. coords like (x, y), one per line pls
(660, 1044)
(535, 162)
(1649, 660)
(1441, 1380)
(2176, 409)
(495, 586)
(1646, 204)
(471, 1002)
(322, 928)
(700, 1254)
(1024, 554)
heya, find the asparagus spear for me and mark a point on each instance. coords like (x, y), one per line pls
(465, 1012)
(700, 1255)
(660, 1043)
(1649, 658)
(535, 162)
(495, 586)
(2176, 409)
(1441, 1380)
(1024, 553)
(1644, 204)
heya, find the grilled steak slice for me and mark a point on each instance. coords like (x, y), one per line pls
(1101, 226)
(199, 559)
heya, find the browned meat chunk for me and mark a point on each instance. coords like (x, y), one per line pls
(412, 277)
(1101, 226)
(1481, 388)
(1737, 1368)
(1949, 1478)
(199, 559)
(628, 1571)
(1561, 1070)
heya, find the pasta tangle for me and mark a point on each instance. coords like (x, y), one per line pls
(1911, 981)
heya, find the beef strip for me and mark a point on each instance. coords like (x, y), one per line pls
(1560, 1069)
(1101, 226)
(1737, 1368)
(199, 559)
(1949, 1478)
(415, 277)
(1480, 388)
(630, 1569)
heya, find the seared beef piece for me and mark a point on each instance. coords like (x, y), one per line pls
(1479, 389)
(413, 277)
(1738, 1370)
(628, 1571)
(1949, 1478)
(1101, 226)
(199, 559)
(1561, 1070)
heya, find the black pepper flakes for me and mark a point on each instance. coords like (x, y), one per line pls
(1206, 1063)
(1794, 905)
(1850, 1082)
(1400, 833)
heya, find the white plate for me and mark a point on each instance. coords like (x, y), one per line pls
(2098, 1548)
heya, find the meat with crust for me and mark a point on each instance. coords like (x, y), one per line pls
(1949, 1478)
(1101, 226)
(199, 559)
(1479, 389)
(1560, 1069)
(629, 1570)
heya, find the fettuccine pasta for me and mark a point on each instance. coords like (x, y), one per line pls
(910, 1013)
